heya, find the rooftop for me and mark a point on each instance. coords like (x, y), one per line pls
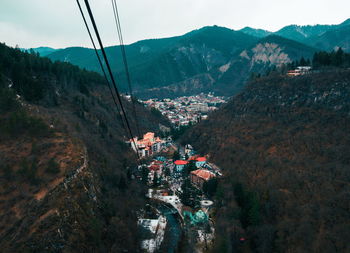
(201, 159)
(180, 162)
(205, 174)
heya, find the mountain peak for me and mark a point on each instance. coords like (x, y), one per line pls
(43, 51)
(260, 33)
(346, 22)
(212, 28)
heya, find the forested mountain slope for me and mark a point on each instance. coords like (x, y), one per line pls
(42, 51)
(302, 33)
(324, 37)
(260, 33)
(157, 64)
(222, 64)
(64, 167)
(205, 60)
(268, 53)
(198, 61)
(333, 39)
(284, 144)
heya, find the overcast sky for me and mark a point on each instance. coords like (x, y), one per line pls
(58, 24)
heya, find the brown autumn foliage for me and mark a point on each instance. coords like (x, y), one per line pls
(64, 181)
(287, 141)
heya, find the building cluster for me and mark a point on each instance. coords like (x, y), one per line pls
(299, 71)
(201, 174)
(186, 110)
(148, 145)
(166, 178)
(201, 170)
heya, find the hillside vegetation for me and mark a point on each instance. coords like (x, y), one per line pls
(205, 60)
(64, 166)
(159, 67)
(284, 144)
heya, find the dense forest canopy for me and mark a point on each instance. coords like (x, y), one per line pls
(31, 75)
(284, 144)
(336, 58)
(64, 164)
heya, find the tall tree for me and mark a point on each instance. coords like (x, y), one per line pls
(176, 156)
(144, 174)
(155, 180)
(191, 166)
(210, 187)
(190, 195)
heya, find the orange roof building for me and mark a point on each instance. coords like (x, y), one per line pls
(148, 145)
(201, 159)
(198, 177)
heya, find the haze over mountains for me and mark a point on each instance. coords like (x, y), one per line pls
(209, 59)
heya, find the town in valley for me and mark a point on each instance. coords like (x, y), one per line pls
(180, 181)
(186, 110)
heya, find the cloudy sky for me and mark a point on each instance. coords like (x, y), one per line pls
(58, 24)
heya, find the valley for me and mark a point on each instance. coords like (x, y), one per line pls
(220, 141)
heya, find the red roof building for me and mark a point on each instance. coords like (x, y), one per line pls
(180, 162)
(198, 177)
(201, 159)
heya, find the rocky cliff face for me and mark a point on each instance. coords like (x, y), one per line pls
(269, 53)
(203, 67)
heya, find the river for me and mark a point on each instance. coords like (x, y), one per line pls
(173, 231)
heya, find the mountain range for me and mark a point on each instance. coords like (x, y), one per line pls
(282, 143)
(208, 59)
